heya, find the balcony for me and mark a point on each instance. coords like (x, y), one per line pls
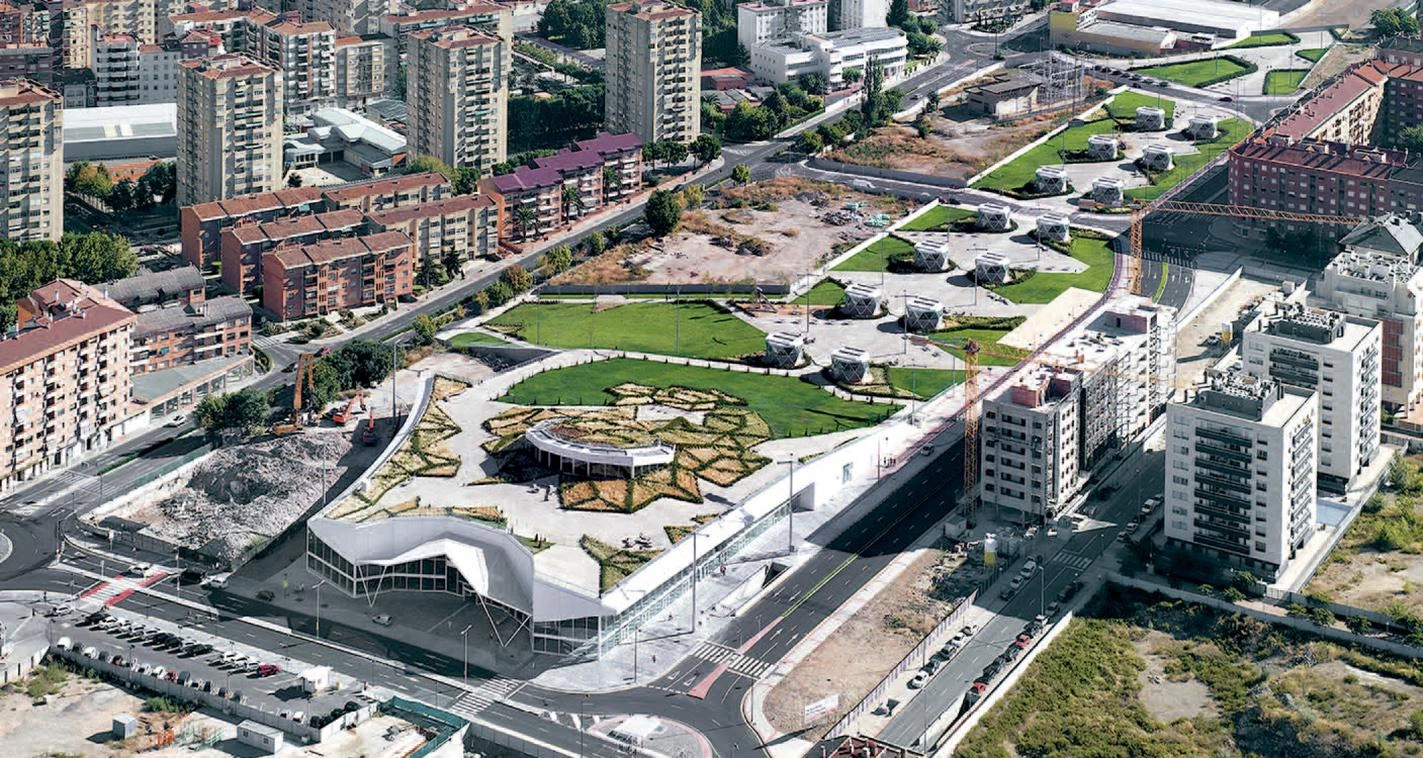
(1222, 466)
(1228, 438)
(1222, 452)
(1233, 530)
(1222, 544)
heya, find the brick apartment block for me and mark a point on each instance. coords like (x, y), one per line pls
(338, 274)
(461, 226)
(244, 243)
(582, 168)
(64, 378)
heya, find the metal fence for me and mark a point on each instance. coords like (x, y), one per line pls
(679, 290)
(914, 659)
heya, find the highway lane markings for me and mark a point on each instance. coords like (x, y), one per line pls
(712, 652)
(6, 547)
(118, 589)
(1073, 560)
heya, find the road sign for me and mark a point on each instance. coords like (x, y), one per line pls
(822, 707)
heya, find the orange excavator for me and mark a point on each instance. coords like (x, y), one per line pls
(305, 376)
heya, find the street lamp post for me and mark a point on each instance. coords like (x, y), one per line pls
(790, 512)
(318, 607)
(694, 582)
(465, 635)
(636, 633)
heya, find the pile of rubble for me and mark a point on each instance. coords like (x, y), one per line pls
(242, 496)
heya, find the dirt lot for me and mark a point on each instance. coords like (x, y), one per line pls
(1338, 12)
(246, 494)
(1169, 699)
(1379, 561)
(871, 642)
(955, 149)
(769, 232)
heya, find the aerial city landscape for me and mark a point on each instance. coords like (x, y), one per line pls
(790, 378)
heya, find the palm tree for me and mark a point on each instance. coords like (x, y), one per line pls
(612, 181)
(572, 198)
(524, 217)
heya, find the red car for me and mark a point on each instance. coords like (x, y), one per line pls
(268, 669)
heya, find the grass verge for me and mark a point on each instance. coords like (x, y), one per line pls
(1039, 287)
(1265, 39)
(1284, 81)
(987, 330)
(1312, 54)
(937, 219)
(1201, 73)
(470, 339)
(878, 256)
(1232, 130)
(1123, 106)
(1012, 176)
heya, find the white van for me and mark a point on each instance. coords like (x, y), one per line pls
(64, 643)
(217, 581)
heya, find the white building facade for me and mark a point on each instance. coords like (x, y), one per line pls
(1031, 450)
(1388, 289)
(1240, 466)
(1338, 356)
(831, 54)
(760, 22)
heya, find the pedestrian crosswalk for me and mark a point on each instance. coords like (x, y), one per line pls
(116, 590)
(741, 664)
(494, 690)
(1074, 560)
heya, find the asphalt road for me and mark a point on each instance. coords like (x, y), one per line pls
(1068, 555)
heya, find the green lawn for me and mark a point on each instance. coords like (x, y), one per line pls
(692, 329)
(1195, 73)
(1265, 39)
(924, 383)
(475, 338)
(1022, 169)
(937, 219)
(1232, 130)
(792, 407)
(1123, 106)
(825, 293)
(876, 257)
(1043, 287)
(953, 339)
(1312, 54)
(1284, 81)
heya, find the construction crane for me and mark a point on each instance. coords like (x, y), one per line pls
(1166, 205)
(305, 375)
(971, 350)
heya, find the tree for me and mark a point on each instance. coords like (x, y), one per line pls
(425, 163)
(424, 328)
(654, 152)
(572, 201)
(749, 123)
(674, 152)
(558, 260)
(97, 256)
(1390, 22)
(922, 45)
(693, 196)
(852, 75)
(815, 84)
(326, 384)
(810, 142)
(923, 126)
(1411, 139)
(123, 196)
(525, 218)
(499, 293)
(466, 181)
(597, 243)
(518, 278)
(161, 181)
(90, 179)
(211, 412)
(706, 148)
(245, 410)
(612, 181)
(741, 174)
(663, 212)
(481, 300)
(898, 13)
(364, 363)
(293, 179)
(452, 263)
(931, 102)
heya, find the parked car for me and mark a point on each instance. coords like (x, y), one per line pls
(178, 419)
(268, 669)
(1016, 583)
(266, 596)
(1029, 568)
(141, 569)
(383, 619)
(920, 679)
(192, 575)
(217, 581)
(157, 672)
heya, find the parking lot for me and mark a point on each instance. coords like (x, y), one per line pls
(165, 658)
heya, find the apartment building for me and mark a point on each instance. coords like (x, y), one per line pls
(28, 61)
(200, 225)
(1336, 355)
(1240, 462)
(32, 152)
(116, 70)
(64, 378)
(1388, 289)
(494, 19)
(358, 17)
(1321, 155)
(184, 285)
(237, 26)
(653, 67)
(365, 69)
(1031, 448)
(80, 22)
(388, 193)
(622, 163)
(762, 21)
(305, 53)
(459, 228)
(338, 274)
(182, 335)
(457, 91)
(127, 72)
(229, 128)
(529, 202)
(831, 54)
(1396, 234)
(23, 24)
(1124, 357)
(863, 14)
(244, 243)
(581, 178)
